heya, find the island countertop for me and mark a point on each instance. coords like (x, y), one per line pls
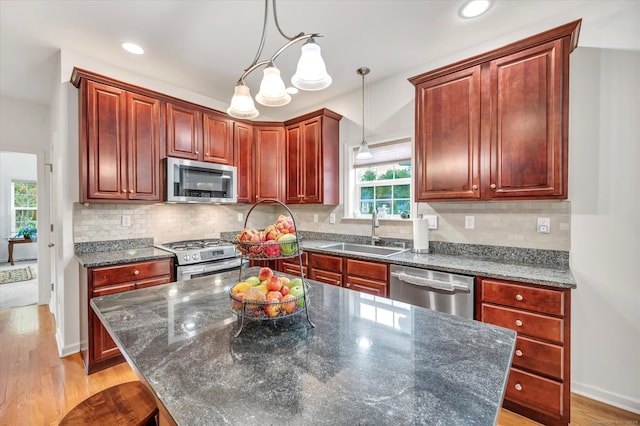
(369, 360)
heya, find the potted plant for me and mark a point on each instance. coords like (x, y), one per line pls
(27, 233)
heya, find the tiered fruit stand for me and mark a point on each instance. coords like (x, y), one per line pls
(270, 244)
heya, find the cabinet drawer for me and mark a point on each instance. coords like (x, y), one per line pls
(527, 323)
(325, 262)
(535, 392)
(539, 357)
(375, 288)
(375, 271)
(524, 297)
(130, 272)
(326, 277)
(152, 282)
(118, 288)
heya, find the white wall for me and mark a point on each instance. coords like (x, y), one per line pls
(14, 166)
(604, 189)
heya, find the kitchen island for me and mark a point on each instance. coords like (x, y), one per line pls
(369, 360)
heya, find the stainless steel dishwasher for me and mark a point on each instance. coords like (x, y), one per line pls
(440, 291)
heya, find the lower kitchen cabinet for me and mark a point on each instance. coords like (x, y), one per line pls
(367, 277)
(325, 268)
(97, 348)
(292, 265)
(539, 382)
(360, 275)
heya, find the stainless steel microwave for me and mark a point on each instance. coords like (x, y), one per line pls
(189, 181)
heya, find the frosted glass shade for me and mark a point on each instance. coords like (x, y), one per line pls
(364, 153)
(272, 91)
(242, 105)
(311, 73)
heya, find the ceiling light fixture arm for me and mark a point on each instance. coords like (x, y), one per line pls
(256, 65)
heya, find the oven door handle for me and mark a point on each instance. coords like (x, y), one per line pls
(432, 284)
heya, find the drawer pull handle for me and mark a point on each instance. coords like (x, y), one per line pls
(518, 352)
(136, 272)
(519, 297)
(518, 387)
(519, 323)
(348, 284)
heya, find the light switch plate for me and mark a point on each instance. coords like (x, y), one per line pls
(126, 220)
(432, 219)
(332, 218)
(469, 222)
(240, 218)
(315, 218)
(544, 225)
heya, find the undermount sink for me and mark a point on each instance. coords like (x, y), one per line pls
(364, 249)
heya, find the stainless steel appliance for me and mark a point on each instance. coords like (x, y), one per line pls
(440, 291)
(198, 258)
(188, 181)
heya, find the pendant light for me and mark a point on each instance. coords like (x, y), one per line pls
(363, 152)
(311, 73)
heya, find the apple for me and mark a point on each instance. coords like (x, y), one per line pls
(265, 273)
(274, 284)
(271, 249)
(288, 244)
(254, 281)
(298, 292)
(237, 304)
(296, 282)
(272, 309)
(289, 303)
(274, 295)
(284, 290)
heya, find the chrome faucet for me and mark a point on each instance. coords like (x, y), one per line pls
(374, 224)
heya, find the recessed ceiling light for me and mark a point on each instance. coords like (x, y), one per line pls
(132, 48)
(473, 8)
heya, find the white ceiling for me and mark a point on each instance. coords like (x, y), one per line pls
(204, 45)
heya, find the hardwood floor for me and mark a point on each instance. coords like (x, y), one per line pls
(38, 388)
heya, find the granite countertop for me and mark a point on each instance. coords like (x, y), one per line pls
(554, 275)
(104, 253)
(367, 361)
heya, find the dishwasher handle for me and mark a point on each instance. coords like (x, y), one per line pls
(447, 286)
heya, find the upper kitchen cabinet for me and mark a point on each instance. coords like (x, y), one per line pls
(184, 131)
(312, 158)
(495, 126)
(244, 161)
(269, 161)
(119, 142)
(217, 140)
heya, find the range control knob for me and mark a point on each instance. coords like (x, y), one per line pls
(196, 256)
(186, 257)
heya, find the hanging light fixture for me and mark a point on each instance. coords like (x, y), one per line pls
(311, 73)
(363, 152)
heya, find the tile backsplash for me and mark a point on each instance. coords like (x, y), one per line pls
(509, 223)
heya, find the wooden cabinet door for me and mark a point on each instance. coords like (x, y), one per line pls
(103, 345)
(218, 139)
(294, 165)
(103, 158)
(269, 170)
(244, 161)
(311, 161)
(447, 147)
(184, 132)
(528, 135)
(143, 145)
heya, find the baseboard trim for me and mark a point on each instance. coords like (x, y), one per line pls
(620, 401)
(63, 350)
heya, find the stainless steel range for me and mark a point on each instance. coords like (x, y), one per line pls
(197, 258)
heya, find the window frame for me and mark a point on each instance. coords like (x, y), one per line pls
(15, 208)
(351, 199)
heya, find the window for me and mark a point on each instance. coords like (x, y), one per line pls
(24, 205)
(382, 182)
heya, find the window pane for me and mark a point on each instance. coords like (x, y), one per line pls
(383, 192)
(367, 175)
(366, 193)
(402, 191)
(387, 174)
(401, 205)
(366, 207)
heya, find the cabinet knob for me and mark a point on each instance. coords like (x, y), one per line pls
(347, 285)
(131, 191)
(493, 186)
(519, 297)
(197, 152)
(124, 190)
(206, 153)
(475, 187)
(136, 272)
(518, 387)
(518, 352)
(519, 323)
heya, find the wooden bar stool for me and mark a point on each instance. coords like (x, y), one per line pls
(124, 404)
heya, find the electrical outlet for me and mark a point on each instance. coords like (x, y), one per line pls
(469, 222)
(240, 218)
(544, 225)
(315, 218)
(432, 220)
(126, 220)
(332, 218)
